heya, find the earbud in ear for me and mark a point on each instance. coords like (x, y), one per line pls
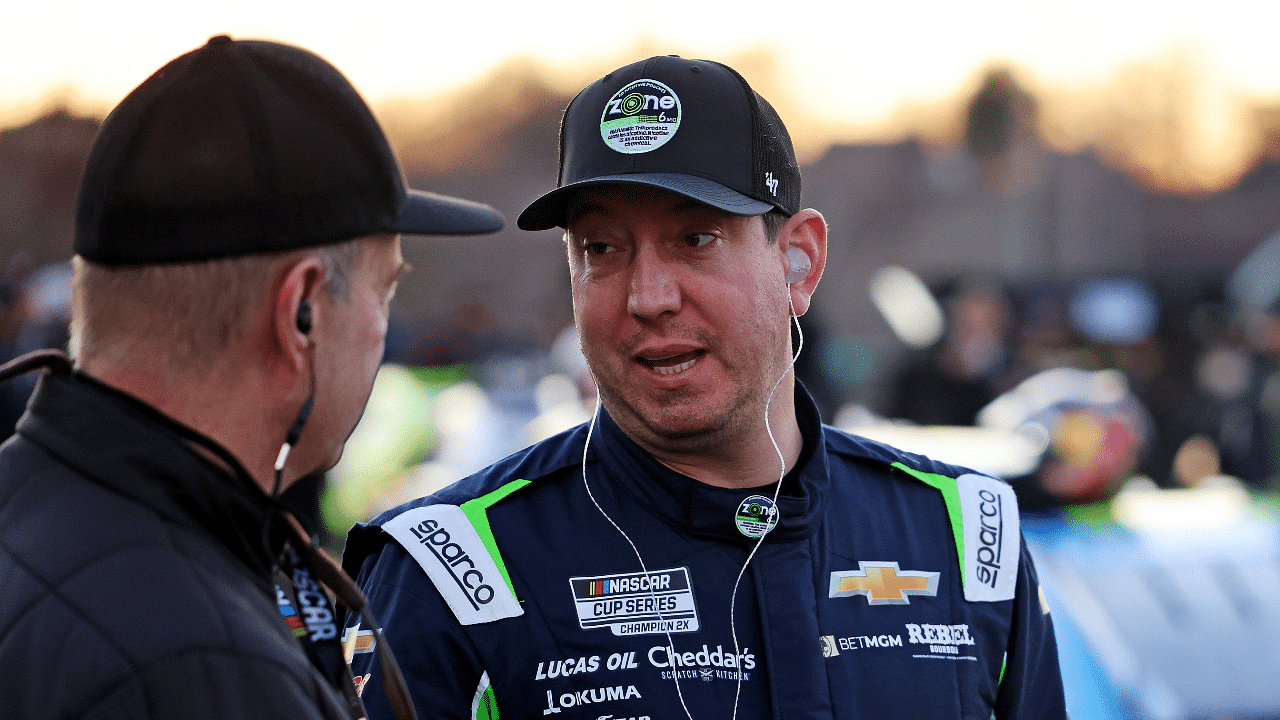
(799, 265)
(304, 317)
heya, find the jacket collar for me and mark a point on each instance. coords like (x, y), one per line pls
(123, 444)
(710, 511)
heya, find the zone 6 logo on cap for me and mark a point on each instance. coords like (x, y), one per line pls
(640, 117)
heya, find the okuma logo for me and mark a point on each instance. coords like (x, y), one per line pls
(640, 117)
(588, 697)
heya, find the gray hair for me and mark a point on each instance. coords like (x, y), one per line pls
(184, 315)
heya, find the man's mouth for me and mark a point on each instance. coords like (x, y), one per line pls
(674, 364)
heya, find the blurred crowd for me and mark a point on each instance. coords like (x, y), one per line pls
(1194, 374)
(35, 306)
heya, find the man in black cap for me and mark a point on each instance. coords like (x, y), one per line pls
(704, 547)
(237, 240)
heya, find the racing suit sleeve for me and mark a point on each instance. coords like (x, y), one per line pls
(1031, 682)
(440, 664)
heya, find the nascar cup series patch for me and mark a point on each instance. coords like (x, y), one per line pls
(447, 546)
(992, 541)
(657, 601)
(640, 117)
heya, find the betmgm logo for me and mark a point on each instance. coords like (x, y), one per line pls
(829, 647)
(832, 645)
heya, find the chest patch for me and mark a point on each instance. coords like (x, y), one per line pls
(658, 601)
(446, 545)
(991, 538)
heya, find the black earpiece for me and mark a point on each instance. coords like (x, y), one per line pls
(303, 321)
(304, 317)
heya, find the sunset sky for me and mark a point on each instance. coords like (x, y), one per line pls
(853, 62)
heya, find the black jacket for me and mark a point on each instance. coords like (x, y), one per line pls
(134, 578)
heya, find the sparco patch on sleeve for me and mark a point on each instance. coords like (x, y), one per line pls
(991, 538)
(443, 541)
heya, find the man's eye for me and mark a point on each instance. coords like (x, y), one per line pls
(698, 239)
(598, 248)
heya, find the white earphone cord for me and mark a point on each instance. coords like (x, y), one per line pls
(733, 627)
(777, 490)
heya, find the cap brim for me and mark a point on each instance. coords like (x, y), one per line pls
(427, 213)
(549, 210)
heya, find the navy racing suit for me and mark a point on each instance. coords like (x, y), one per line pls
(891, 586)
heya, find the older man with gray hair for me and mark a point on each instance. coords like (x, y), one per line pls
(237, 250)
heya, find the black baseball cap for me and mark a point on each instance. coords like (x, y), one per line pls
(248, 146)
(693, 127)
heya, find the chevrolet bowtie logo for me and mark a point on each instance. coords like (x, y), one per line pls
(355, 641)
(883, 583)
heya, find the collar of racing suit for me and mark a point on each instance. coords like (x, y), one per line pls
(709, 511)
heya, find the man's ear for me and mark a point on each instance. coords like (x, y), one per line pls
(807, 232)
(296, 287)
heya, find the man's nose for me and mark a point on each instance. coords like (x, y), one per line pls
(655, 286)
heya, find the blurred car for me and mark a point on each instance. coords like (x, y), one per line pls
(1166, 603)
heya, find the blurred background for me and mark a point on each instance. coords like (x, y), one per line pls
(1054, 257)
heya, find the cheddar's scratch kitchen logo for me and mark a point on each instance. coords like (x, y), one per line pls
(706, 663)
